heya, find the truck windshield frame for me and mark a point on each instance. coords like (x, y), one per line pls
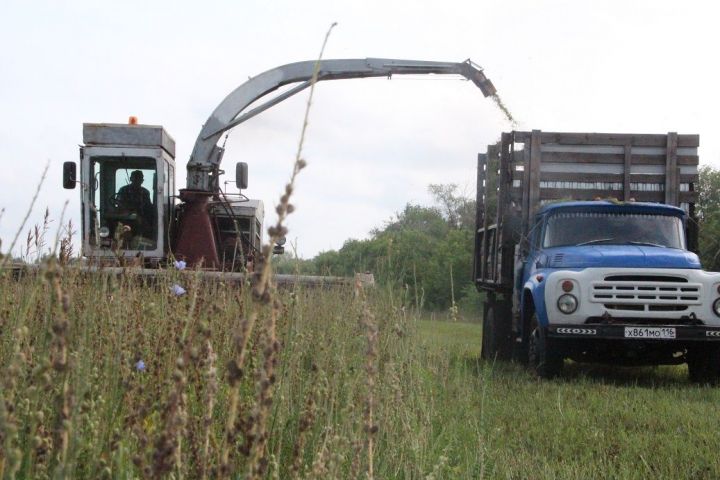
(613, 228)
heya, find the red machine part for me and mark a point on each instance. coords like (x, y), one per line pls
(195, 239)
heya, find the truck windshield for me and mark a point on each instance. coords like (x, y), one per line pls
(586, 228)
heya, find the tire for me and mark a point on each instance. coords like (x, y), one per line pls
(704, 364)
(496, 335)
(543, 357)
(520, 349)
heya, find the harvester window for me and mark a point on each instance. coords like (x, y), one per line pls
(124, 200)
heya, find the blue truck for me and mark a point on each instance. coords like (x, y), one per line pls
(586, 249)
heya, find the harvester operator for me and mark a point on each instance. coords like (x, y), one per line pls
(135, 199)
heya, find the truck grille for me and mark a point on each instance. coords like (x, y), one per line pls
(644, 293)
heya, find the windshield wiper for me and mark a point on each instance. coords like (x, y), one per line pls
(597, 240)
(647, 244)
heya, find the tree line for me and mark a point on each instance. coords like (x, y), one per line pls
(427, 250)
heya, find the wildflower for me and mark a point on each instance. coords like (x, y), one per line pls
(180, 264)
(140, 366)
(177, 290)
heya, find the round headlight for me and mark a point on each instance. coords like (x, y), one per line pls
(567, 303)
(716, 307)
(104, 232)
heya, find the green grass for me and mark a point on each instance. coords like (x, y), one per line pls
(594, 422)
(439, 412)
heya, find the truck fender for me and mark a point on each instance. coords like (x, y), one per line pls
(533, 297)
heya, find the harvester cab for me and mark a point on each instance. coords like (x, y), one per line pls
(127, 176)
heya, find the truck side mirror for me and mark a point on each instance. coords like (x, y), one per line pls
(241, 175)
(69, 175)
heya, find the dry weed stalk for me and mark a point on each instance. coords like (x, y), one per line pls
(263, 291)
(234, 377)
(367, 321)
(307, 420)
(320, 464)
(60, 364)
(168, 445)
(10, 455)
(285, 208)
(133, 422)
(211, 388)
(27, 215)
(66, 252)
(257, 465)
(357, 446)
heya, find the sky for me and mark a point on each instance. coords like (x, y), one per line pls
(372, 145)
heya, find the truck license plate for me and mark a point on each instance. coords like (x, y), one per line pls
(649, 332)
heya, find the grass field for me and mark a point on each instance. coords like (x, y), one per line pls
(106, 377)
(594, 422)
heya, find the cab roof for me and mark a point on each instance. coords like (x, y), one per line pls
(608, 205)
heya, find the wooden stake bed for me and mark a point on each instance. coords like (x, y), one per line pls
(528, 169)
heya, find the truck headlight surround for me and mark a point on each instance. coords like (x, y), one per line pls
(716, 307)
(567, 303)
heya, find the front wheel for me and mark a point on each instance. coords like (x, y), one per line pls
(704, 364)
(543, 359)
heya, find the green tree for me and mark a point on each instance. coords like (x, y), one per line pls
(708, 213)
(458, 210)
(418, 249)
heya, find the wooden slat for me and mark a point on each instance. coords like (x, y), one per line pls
(534, 178)
(660, 159)
(577, 194)
(611, 177)
(671, 170)
(619, 139)
(525, 200)
(688, 197)
(582, 157)
(626, 171)
(490, 172)
(643, 178)
(582, 177)
(503, 201)
(615, 158)
(638, 196)
(480, 208)
(582, 194)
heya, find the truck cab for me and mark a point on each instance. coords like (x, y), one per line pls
(599, 273)
(569, 275)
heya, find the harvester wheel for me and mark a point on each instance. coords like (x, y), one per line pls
(543, 359)
(496, 335)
